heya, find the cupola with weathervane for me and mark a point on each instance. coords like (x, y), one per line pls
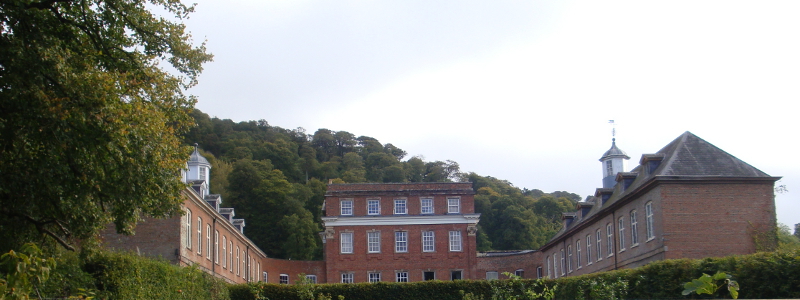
(199, 169)
(614, 161)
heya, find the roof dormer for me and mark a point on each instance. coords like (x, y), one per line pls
(650, 162)
(625, 179)
(603, 194)
(584, 208)
(567, 218)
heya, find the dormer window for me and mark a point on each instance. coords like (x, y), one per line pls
(650, 162)
(609, 168)
(625, 179)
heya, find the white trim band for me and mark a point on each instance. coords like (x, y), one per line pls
(403, 220)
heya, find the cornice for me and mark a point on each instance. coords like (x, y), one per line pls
(404, 220)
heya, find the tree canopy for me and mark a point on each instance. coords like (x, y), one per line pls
(89, 120)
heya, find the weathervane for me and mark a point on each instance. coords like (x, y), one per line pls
(613, 130)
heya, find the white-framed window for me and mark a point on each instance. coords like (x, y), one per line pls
(634, 229)
(428, 275)
(563, 263)
(311, 278)
(588, 249)
(374, 276)
(648, 210)
(374, 242)
(609, 168)
(400, 207)
(373, 207)
(455, 241)
(599, 238)
(621, 227)
(347, 277)
(284, 279)
(578, 254)
(569, 258)
(547, 259)
(428, 241)
(346, 242)
(401, 241)
(230, 256)
(555, 265)
(520, 273)
(264, 276)
(244, 270)
(456, 275)
(208, 242)
(346, 207)
(402, 276)
(202, 173)
(491, 275)
(216, 246)
(200, 235)
(453, 205)
(609, 239)
(238, 269)
(426, 205)
(224, 252)
(188, 229)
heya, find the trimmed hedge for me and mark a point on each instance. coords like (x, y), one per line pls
(760, 275)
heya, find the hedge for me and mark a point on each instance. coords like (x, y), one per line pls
(760, 275)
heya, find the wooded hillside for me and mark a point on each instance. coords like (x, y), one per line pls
(276, 179)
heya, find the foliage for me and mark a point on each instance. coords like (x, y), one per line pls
(787, 241)
(22, 273)
(516, 289)
(89, 121)
(708, 284)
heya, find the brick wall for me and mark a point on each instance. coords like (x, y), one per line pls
(510, 262)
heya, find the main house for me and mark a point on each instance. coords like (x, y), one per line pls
(687, 200)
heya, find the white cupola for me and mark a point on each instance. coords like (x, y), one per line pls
(199, 170)
(614, 161)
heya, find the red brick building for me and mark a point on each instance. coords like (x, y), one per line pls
(400, 232)
(688, 200)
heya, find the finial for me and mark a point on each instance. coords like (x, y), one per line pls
(613, 130)
(195, 146)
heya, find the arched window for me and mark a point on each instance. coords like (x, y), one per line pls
(224, 252)
(648, 210)
(216, 246)
(188, 229)
(199, 235)
(208, 242)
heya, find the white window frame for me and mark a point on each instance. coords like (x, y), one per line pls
(400, 207)
(555, 265)
(569, 258)
(264, 275)
(428, 241)
(200, 235)
(599, 237)
(453, 205)
(492, 275)
(374, 242)
(374, 277)
(283, 279)
(621, 228)
(189, 229)
(455, 241)
(578, 254)
(520, 273)
(634, 229)
(230, 255)
(563, 263)
(346, 242)
(426, 205)
(216, 246)
(648, 208)
(547, 259)
(373, 209)
(346, 207)
(401, 276)
(238, 267)
(347, 278)
(311, 278)
(208, 242)
(609, 240)
(588, 249)
(224, 252)
(401, 241)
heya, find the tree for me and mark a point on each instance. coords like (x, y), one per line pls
(89, 122)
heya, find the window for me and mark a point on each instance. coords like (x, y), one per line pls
(609, 168)
(346, 207)
(520, 273)
(578, 254)
(230, 256)
(284, 279)
(264, 276)
(374, 242)
(428, 241)
(426, 205)
(216, 246)
(346, 242)
(539, 274)
(401, 241)
(199, 235)
(453, 205)
(208, 242)
(455, 275)
(491, 275)
(237, 262)
(621, 225)
(599, 237)
(373, 207)
(634, 230)
(555, 266)
(374, 277)
(428, 275)
(224, 252)
(455, 240)
(569, 258)
(563, 263)
(400, 207)
(347, 277)
(402, 276)
(202, 173)
(547, 259)
(588, 249)
(311, 278)
(188, 229)
(609, 240)
(648, 210)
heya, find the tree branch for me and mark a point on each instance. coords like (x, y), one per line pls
(44, 4)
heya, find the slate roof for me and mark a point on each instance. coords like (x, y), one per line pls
(686, 157)
(614, 152)
(197, 159)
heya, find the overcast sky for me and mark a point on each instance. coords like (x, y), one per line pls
(517, 90)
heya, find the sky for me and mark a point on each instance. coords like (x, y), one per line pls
(517, 90)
